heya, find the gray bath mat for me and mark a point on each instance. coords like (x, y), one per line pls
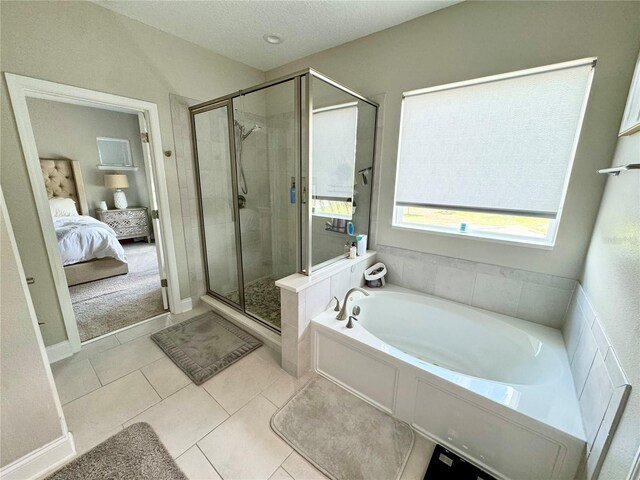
(205, 345)
(343, 436)
(132, 454)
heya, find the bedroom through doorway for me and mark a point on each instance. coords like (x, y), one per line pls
(98, 188)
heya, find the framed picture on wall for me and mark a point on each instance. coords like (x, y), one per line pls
(631, 117)
(114, 152)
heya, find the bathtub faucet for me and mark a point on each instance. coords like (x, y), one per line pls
(342, 315)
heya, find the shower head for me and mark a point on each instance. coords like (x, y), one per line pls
(251, 130)
(244, 133)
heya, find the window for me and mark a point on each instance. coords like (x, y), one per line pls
(491, 157)
(334, 159)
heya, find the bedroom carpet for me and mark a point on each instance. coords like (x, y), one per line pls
(107, 305)
(343, 436)
(134, 453)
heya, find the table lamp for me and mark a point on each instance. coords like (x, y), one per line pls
(117, 181)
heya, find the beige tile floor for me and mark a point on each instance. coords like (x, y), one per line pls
(219, 430)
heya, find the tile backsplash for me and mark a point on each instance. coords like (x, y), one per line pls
(302, 298)
(600, 383)
(533, 296)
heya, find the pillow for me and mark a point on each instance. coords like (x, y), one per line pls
(62, 207)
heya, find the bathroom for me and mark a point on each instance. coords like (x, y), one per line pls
(506, 328)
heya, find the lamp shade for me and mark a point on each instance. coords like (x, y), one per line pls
(116, 181)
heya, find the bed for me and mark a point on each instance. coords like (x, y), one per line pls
(89, 248)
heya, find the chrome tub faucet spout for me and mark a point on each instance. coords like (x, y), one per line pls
(342, 315)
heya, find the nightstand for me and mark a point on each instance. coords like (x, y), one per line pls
(129, 222)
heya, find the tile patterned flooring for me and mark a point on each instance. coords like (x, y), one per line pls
(219, 430)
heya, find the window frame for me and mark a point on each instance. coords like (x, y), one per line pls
(522, 240)
(525, 241)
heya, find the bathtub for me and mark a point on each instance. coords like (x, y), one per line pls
(496, 389)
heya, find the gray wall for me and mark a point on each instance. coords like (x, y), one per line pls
(63, 130)
(83, 44)
(611, 280)
(28, 412)
(476, 39)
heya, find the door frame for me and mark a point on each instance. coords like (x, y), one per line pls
(20, 88)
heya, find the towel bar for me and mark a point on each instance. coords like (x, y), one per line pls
(620, 168)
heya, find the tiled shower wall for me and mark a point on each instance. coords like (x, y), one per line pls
(282, 166)
(255, 218)
(601, 385)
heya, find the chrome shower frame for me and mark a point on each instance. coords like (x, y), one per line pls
(303, 106)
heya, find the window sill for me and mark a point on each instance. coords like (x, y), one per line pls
(542, 245)
(116, 167)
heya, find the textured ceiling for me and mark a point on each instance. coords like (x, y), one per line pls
(235, 28)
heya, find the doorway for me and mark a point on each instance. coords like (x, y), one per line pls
(143, 230)
(110, 225)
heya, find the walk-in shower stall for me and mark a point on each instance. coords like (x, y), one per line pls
(285, 172)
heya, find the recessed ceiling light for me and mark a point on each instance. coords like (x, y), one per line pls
(272, 39)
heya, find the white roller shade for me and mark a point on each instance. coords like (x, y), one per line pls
(503, 143)
(334, 151)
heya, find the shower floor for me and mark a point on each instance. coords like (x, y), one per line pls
(262, 299)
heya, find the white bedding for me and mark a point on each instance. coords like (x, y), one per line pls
(82, 238)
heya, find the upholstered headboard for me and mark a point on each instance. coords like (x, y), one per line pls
(63, 178)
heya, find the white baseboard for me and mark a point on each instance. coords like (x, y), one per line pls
(59, 351)
(185, 305)
(40, 461)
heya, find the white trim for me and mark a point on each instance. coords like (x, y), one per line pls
(503, 76)
(123, 169)
(629, 125)
(41, 461)
(18, 464)
(59, 351)
(480, 238)
(20, 88)
(186, 304)
(18, 94)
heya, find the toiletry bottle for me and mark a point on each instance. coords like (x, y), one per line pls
(353, 250)
(292, 191)
(361, 243)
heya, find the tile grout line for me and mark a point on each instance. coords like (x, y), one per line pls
(154, 388)
(207, 458)
(95, 373)
(283, 467)
(157, 403)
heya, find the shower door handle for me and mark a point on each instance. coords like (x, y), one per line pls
(303, 190)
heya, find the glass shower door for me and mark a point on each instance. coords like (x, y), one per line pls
(213, 138)
(267, 171)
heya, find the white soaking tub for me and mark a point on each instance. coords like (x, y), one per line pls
(496, 389)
